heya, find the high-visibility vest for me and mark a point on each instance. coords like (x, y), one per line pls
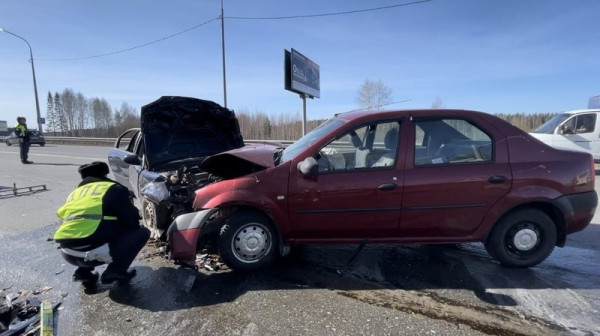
(82, 213)
(21, 130)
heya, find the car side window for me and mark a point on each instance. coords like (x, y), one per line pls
(373, 146)
(450, 141)
(585, 123)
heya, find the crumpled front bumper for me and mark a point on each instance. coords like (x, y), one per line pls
(183, 234)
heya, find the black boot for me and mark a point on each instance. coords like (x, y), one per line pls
(110, 277)
(85, 275)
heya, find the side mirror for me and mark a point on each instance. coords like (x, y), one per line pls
(132, 159)
(565, 129)
(308, 166)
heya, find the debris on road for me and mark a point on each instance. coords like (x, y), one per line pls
(154, 249)
(210, 262)
(20, 313)
(14, 191)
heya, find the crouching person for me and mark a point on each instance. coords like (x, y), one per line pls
(100, 225)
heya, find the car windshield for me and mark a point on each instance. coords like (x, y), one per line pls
(325, 128)
(549, 126)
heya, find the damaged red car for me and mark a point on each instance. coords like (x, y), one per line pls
(159, 162)
(414, 176)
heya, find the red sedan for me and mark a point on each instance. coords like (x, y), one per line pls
(413, 176)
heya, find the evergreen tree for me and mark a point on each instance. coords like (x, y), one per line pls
(267, 129)
(50, 115)
(60, 115)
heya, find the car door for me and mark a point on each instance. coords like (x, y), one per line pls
(579, 133)
(350, 198)
(124, 147)
(456, 173)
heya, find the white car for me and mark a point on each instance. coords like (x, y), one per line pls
(576, 130)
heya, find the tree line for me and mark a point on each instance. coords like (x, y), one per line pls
(72, 114)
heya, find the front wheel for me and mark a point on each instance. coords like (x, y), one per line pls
(522, 239)
(247, 241)
(155, 218)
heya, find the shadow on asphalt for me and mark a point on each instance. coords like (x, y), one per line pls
(425, 268)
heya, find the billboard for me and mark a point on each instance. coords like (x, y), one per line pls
(302, 75)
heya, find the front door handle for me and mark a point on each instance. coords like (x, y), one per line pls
(387, 187)
(497, 179)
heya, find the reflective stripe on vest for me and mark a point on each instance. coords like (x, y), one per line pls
(82, 213)
(99, 217)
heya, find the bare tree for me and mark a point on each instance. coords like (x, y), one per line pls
(82, 115)
(125, 117)
(101, 115)
(373, 94)
(67, 98)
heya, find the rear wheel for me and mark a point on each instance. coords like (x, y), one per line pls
(8, 143)
(247, 241)
(522, 239)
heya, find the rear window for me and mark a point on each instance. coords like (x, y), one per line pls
(450, 141)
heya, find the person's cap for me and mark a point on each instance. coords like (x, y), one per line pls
(95, 169)
(21, 118)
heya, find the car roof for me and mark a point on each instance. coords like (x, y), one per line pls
(582, 111)
(353, 115)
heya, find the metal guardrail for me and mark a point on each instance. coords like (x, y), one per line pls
(110, 142)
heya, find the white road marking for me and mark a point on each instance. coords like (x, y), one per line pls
(53, 155)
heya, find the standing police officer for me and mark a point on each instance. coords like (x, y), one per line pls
(100, 225)
(24, 141)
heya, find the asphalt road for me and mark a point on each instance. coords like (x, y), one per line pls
(385, 290)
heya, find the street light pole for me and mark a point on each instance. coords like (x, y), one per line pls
(37, 103)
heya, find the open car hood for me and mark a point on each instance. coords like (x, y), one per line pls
(182, 128)
(241, 161)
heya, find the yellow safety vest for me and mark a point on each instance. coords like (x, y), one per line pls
(21, 130)
(82, 212)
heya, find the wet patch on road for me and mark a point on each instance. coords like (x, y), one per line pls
(415, 279)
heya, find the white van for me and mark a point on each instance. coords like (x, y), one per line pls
(578, 130)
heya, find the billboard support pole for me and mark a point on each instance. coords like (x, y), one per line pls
(303, 96)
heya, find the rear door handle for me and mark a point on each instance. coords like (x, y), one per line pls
(387, 187)
(497, 179)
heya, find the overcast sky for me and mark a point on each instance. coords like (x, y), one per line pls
(496, 56)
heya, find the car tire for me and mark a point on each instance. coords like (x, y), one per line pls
(247, 241)
(43, 144)
(523, 238)
(155, 218)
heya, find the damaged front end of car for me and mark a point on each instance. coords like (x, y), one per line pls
(215, 204)
(178, 133)
(169, 195)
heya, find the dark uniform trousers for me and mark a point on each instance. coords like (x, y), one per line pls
(123, 250)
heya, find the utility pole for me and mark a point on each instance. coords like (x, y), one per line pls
(223, 52)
